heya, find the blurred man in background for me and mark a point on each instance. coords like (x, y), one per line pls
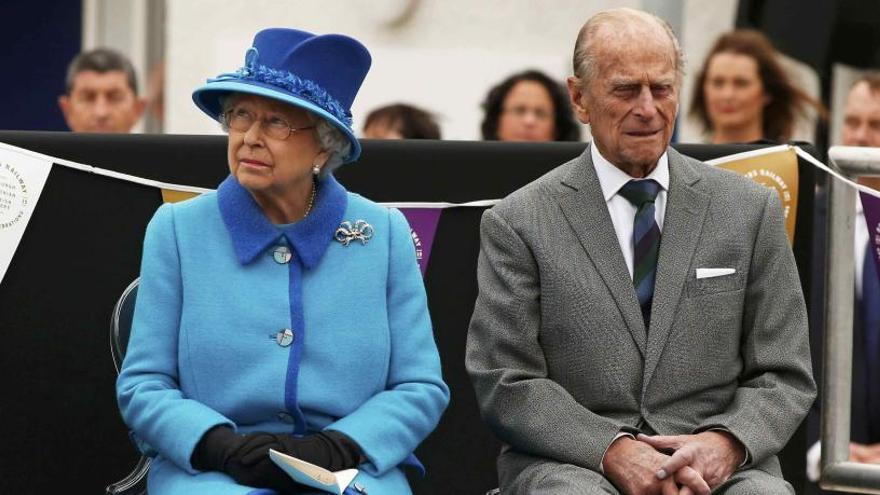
(861, 127)
(101, 93)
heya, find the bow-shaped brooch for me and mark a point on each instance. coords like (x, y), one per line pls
(347, 232)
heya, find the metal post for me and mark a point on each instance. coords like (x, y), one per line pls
(837, 472)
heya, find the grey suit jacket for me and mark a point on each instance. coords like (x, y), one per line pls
(557, 348)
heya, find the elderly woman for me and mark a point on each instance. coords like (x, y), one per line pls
(281, 311)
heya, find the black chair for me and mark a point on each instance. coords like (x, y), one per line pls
(120, 328)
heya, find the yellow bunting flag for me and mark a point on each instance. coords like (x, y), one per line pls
(172, 196)
(778, 171)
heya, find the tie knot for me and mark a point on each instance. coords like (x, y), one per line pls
(639, 192)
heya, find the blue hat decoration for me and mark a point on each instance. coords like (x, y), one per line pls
(320, 73)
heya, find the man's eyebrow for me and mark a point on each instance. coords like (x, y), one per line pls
(623, 82)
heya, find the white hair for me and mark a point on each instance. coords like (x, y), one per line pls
(584, 59)
(333, 141)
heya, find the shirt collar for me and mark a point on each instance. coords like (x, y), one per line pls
(252, 233)
(611, 178)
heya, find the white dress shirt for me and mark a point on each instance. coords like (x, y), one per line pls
(623, 213)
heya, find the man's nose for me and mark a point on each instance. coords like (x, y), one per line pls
(645, 104)
(102, 106)
(860, 136)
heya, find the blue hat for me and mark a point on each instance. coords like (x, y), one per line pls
(320, 73)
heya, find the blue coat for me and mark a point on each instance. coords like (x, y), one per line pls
(204, 349)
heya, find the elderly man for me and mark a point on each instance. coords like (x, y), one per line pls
(101, 93)
(861, 127)
(640, 326)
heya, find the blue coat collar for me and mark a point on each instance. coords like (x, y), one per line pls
(252, 233)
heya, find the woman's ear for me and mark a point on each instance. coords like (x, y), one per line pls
(319, 161)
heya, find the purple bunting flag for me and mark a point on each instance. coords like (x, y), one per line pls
(871, 205)
(423, 225)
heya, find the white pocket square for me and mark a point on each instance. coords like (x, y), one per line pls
(714, 272)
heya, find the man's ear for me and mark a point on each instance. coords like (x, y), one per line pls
(576, 97)
(140, 104)
(64, 105)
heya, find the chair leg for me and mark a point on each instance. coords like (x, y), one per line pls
(136, 481)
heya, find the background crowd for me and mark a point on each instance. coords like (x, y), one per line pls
(743, 92)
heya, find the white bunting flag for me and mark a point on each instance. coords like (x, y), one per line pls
(21, 181)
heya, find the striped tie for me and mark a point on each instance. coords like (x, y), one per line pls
(646, 240)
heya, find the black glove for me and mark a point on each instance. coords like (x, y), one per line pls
(215, 448)
(262, 473)
(221, 449)
(331, 450)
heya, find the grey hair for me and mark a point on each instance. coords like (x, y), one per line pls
(100, 60)
(333, 141)
(584, 60)
(329, 137)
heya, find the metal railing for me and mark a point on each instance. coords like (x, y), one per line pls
(838, 473)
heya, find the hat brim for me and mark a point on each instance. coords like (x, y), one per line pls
(207, 98)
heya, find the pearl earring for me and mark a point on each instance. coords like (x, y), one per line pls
(316, 170)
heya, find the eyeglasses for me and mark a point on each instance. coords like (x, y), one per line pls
(241, 120)
(521, 111)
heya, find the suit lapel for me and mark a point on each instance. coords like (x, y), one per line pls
(683, 222)
(584, 208)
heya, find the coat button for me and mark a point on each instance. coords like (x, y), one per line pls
(284, 337)
(282, 255)
(285, 417)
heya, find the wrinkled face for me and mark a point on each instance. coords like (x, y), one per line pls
(527, 114)
(733, 91)
(861, 118)
(631, 101)
(101, 102)
(264, 165)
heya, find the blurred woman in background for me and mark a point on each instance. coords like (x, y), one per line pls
(743, 93)
(401, 121)
(529, 106)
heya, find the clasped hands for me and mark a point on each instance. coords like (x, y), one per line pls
(245, 458)
(673, 464)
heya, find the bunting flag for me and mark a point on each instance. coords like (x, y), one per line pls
(423, 226)
(174, 196)
(776, 168)
(871, 206)
(23, 174)
(21, 181)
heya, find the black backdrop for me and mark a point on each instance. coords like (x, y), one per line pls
(59, 424)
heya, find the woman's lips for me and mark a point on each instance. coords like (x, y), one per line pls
(253, 163)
